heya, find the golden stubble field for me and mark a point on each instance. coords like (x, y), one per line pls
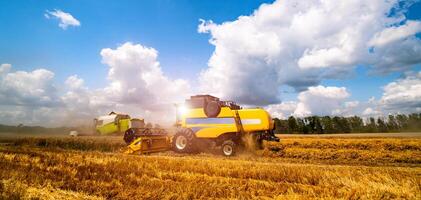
(330, 167)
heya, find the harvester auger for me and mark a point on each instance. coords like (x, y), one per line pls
(205, 122)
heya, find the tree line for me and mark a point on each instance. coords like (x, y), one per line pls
(354, 124)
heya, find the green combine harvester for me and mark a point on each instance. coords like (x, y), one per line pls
(112, 124)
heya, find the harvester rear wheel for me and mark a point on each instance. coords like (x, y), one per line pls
(182, 141)
(228, 148)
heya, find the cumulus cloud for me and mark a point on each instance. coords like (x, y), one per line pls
(31, 97)
(370, 112)
(137, 86)
(78, 101)
(317, 100)
(136, 81)
(320, 100)
(35, 88)
(402, 95)
(349, 108)
(395, 33)
(299, 43)
(66, 19)
(282, 110)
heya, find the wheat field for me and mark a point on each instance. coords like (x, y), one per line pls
(296, 168)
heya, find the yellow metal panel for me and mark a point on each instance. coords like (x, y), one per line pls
(107, 128)
(255, 120)
(124, 124)
(111, 128)
(252, 120)
(149, 144)
(215, 131)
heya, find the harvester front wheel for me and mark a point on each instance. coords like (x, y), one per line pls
(228, 148)
(182, 141)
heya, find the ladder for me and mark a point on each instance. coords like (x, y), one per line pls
(238, 123)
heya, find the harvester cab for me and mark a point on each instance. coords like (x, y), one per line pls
(204, 121)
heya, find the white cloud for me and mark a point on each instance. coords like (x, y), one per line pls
(317, 100)
(396, 33)
(31, 98)
(299, 43)
(320, 100)
(136, 77)
(282, 110)
(4, 69)
(370, 112)
(137, 86)
(74, 82)
(402, 95)
(78, 102)
(35, 88)
(349, 108)
(66, 19)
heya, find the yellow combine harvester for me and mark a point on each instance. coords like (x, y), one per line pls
(206, 122)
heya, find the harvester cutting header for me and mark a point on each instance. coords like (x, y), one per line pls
(205, 122)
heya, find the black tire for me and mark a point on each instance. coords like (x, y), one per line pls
(212, 109)
(183, 141)
(228, 148)
(129, 136)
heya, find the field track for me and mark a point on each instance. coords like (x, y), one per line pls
(300, 167)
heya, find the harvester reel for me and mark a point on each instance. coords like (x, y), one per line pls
(183, 141)
(212, 109)
(129, 136)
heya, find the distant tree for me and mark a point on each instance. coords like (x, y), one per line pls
(281, 126)
(371, 126)
(402, 121)
(292, 125)
(337, 124)
(345, 126)
(327, 125)
(413, 122)
(381, 125)
(356, 124)
(392, 125)
(337, 127)
(311, 124)
(302, 126)
(418, 122)
(318, 124)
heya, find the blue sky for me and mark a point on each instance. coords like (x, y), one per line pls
(31, 41)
